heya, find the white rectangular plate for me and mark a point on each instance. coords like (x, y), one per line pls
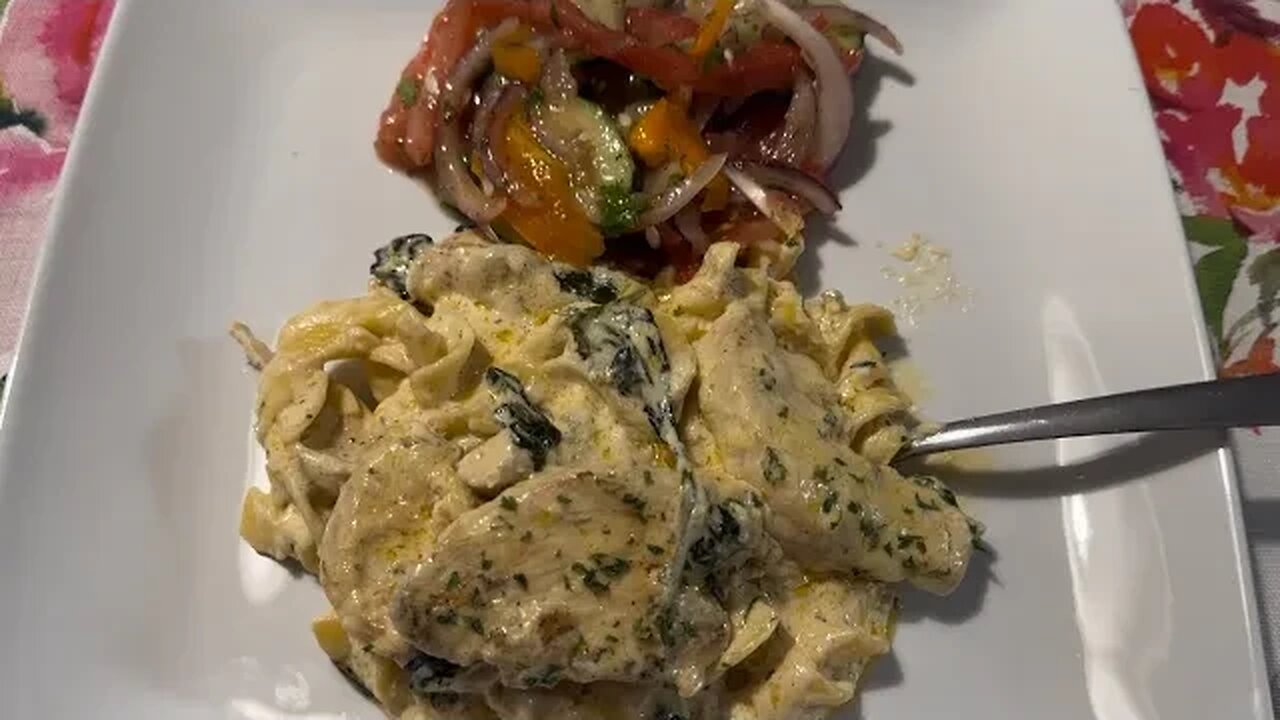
(223, 170)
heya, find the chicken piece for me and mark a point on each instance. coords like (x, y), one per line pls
(402, 493)
(513, 280)
(566, 576)
(831, 630)
(778, 425)
(495, 465)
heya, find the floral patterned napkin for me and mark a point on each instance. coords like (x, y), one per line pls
(1212, 68)
(47, 49)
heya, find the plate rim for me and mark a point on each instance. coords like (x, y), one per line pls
(68, 188)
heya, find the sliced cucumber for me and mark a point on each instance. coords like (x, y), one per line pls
(583, 135)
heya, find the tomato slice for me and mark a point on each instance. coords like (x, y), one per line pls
(678, 253)
(489, 13)
(655, 26)
(406, 129)
(767, 65)
(666, 66)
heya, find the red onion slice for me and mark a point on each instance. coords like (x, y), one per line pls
(789, 144)
(786, 218)
(652, 237)
(659, 180)
(835, 96)
(455, 181)
(839, 15)
(457, 88)
(490, 92)
(703, 108)
(689, 223)
(672, 201)
(797, 183)
(493, 157)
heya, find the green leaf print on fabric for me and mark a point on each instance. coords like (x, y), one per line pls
(1264, 272)
(1216, 272)
(11, 115)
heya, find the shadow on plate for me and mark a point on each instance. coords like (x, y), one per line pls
(857, 159)
(885, 671)
(1262, 518)
(860, 153)
(962, 604)
(1143, 457)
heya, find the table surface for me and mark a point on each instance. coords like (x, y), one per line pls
(1212, 70)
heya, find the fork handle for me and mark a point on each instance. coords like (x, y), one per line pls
(1238, 402)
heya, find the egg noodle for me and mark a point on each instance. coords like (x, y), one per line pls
(537, 491)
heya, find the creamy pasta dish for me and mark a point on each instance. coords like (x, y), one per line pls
(537, 491)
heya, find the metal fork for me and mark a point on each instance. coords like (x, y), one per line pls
(1215, 404)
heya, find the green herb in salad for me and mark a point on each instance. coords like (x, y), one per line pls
(619, 209)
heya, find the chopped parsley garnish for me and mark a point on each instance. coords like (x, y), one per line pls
(455, 581)
(508, 503)
(767, 381)
(610, 565)
(830, 426)
(655, 549)
(619, 209)
(926, 504)
(907, 540)
(976, 530)
(634, 502)
(522, 580)
(771, 466)
(564, 499)
(871, 529)
(594, 583)
(407, 89)
(932, 483)
(713, 59)
(829, 502)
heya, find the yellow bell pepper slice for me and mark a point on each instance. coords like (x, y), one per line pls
(513, 57)
(331, 637)
(666, 133)
(557, 225)
(711, 30)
